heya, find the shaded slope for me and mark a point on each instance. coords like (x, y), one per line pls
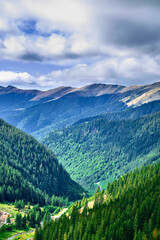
(34, 164)
(103, 150)
(41, 119)
(131, 113)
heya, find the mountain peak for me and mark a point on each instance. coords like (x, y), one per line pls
(10, 87)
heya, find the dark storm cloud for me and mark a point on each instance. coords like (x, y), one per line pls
(32, 57)
(129, 33)
(128, 3)
(87, 54)
(128, 23)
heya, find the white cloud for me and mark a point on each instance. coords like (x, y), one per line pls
(125, 71)
(50, 14)
(9, 77)
(95, 41)
(15, 47)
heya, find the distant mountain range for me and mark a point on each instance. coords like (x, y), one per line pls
(38, 112)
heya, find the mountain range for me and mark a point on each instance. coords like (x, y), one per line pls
(94, 130)
(39, 112)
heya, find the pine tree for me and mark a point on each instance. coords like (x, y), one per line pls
(24, 221)
(18, 220)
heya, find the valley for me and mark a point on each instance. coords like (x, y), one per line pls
(97, 148)
(79, 120)
(103, 150)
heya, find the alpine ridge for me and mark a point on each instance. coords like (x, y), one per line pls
(38, 112)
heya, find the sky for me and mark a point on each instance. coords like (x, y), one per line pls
(50, 43)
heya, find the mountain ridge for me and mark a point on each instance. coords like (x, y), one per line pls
(39, 112)
(96, 89)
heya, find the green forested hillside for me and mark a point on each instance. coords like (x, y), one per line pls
(39, 120)
(132, 211)
(29, 171)
(103, 150)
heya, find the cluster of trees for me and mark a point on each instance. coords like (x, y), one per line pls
(33, 218)
(105, 150)
(29, 171)
(20, 204)
(131, 213)
(14, 187)
(20, 221)
(30, 217)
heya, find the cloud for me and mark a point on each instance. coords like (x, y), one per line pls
(83, 26)
(31, 57)
(49, 14)
(55, 48)
(126, 71)
(16, 79)
(93, 41)
(21, 47)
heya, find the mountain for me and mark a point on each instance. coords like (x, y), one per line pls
(39, 112)
(131, 113)
(12, 98)
(128, 209)
(102, 150)
(29, 171)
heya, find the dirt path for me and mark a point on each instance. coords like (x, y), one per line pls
(18, 234)
(55, 217)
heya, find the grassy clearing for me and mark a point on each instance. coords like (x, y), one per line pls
(9, 208)
(24, 236)
(7, 234)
